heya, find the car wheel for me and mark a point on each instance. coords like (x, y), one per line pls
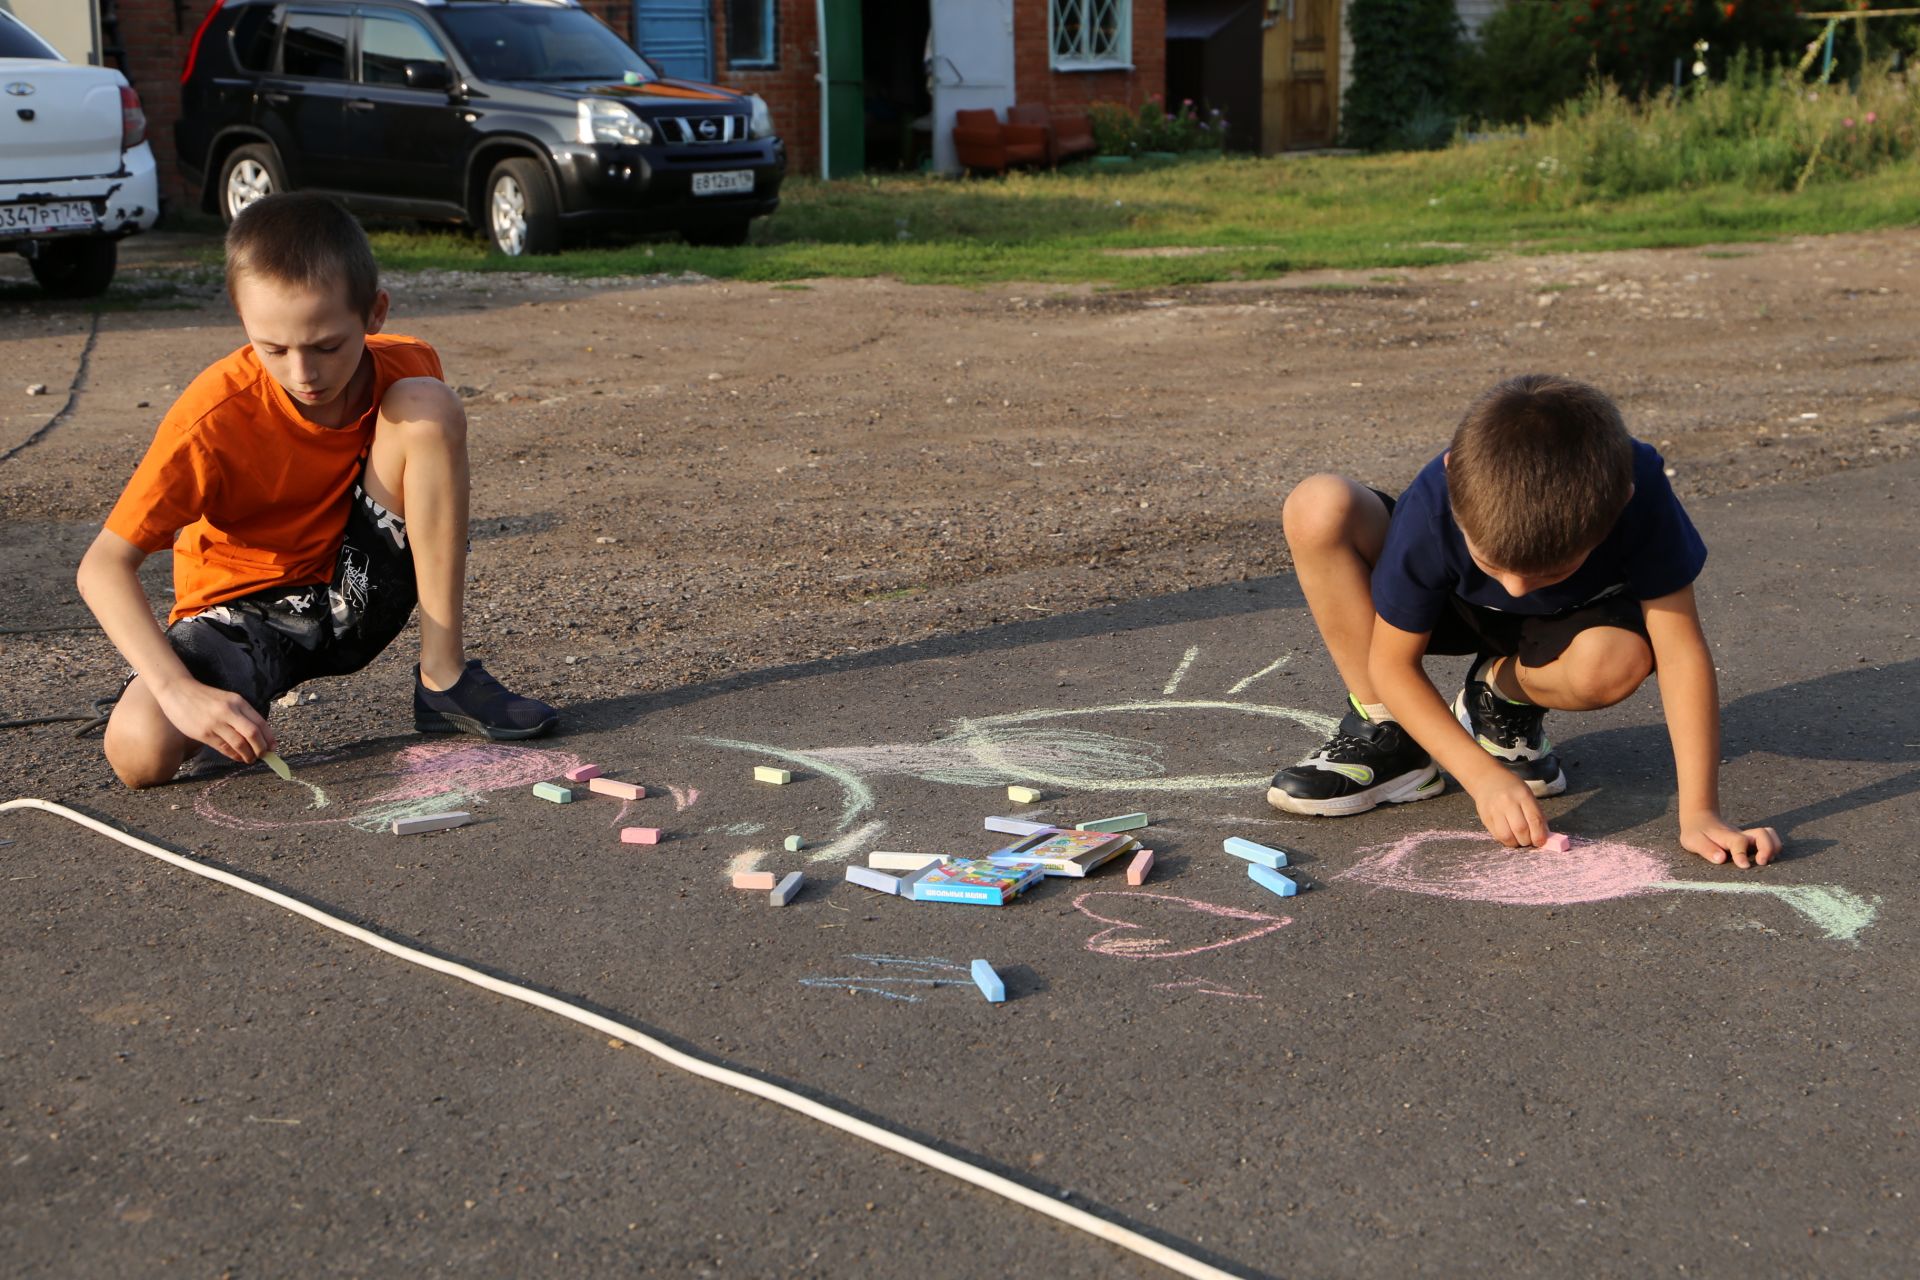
(251, 173)
(75, 268)
(724, 234)
(522, 217)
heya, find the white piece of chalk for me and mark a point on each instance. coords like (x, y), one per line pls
(1120, 822)
(1022, 795)
(883, 861)
(1557, 842)
(616, 788)
(767, 773)
(1252, 852)
(1017, 826)
(868, 879)
(783, 892)
(1137, 869)
(431, 822)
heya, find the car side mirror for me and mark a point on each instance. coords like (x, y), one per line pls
(428, 75)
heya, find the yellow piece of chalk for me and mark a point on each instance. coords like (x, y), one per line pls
(1022, 795)
(767, 773)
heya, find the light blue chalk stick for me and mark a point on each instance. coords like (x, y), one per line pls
(989, 982)
(794, 844)
(1123, 822)
(1255, 852)
(868, 879)
(1267, 878)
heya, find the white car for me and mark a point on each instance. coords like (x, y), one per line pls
(76, 173)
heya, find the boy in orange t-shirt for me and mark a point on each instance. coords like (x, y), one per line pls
(313, 487)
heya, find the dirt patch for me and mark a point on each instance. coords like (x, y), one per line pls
(678, 479)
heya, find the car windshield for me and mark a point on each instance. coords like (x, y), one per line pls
(514, 42)
(18, 42)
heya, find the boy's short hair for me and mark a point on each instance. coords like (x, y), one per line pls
(299, 238)
(1540, 469)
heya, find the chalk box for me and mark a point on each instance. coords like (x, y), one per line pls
(974, 880)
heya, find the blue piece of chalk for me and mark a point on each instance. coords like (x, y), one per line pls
(989, 982)
(876, 880)
(1255, 852)
(1267, 878)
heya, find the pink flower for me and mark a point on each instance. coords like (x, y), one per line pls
(1872, 116)
(1847, 123)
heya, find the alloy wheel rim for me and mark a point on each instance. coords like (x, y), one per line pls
(509, 216)
(248, 182)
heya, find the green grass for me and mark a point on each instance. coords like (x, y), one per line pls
(1751, 158)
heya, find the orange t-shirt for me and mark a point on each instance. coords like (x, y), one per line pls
(256, 494)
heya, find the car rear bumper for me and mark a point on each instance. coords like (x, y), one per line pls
(124, 202)
(651, 188)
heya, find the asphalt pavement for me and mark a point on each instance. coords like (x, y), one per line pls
(1439, 1056)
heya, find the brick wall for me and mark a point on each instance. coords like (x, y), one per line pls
(153, 49)
(1035, 80)
(791, 92)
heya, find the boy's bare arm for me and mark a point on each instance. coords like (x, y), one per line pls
(1690, 694)
(1507, 807)
(110, 584)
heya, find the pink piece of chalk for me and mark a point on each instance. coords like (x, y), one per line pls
(584, 773)
(639, 835)
(1138, 868)
(754, 880)
(1557, 842)
(608, 787)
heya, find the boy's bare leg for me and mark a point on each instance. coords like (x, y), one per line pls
(418, 471)
(142, 745)
(1602, 666)
(1335, 529)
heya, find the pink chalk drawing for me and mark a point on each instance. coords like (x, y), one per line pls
(1469, 866)
(1191, 926)
(432, 777)
(684, 798)
(1201, 987)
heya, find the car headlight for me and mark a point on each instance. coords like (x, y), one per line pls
(761, 126)
(604, 121)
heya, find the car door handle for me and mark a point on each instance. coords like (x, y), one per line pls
(273, 99)
(360, 104)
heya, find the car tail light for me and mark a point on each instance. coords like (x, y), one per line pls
(133, 119)
(199, 33)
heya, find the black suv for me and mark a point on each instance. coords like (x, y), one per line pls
(526, 117)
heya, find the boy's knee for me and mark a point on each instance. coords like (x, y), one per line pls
(1318, 512)
(424, 409)
(1611, 672)
(138, 762)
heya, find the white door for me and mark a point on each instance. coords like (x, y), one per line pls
(971, 65)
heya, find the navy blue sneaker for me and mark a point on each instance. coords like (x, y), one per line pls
(1514, 733)
(1363, 765)
(480, 705)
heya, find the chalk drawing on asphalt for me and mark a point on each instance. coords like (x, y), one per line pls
(1163, 926)
(898, 978)
(1469, 866)
(1202, 987)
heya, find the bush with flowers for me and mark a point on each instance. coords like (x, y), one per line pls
(1121, 131)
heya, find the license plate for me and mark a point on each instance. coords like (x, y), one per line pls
(57, 215)
(720, 184)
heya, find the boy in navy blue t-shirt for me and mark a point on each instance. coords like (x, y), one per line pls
(1547, 542)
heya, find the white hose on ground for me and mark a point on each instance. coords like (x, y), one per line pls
(1172, 1259)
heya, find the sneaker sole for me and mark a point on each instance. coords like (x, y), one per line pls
(442, 722)
(1420, 784)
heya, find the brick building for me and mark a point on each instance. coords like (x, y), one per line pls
(1056, 51)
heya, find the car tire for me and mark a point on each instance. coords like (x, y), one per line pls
(729, 233)
(522, 216)
(250, 173)
(80, 268)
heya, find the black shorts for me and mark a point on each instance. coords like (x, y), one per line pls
(1535, 639)
(261, 645)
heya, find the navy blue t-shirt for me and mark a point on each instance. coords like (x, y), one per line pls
(1651, 551)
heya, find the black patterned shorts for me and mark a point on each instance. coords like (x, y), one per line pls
(261, 645)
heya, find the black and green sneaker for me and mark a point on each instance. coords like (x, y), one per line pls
(1362, 766)
(1514, 733)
